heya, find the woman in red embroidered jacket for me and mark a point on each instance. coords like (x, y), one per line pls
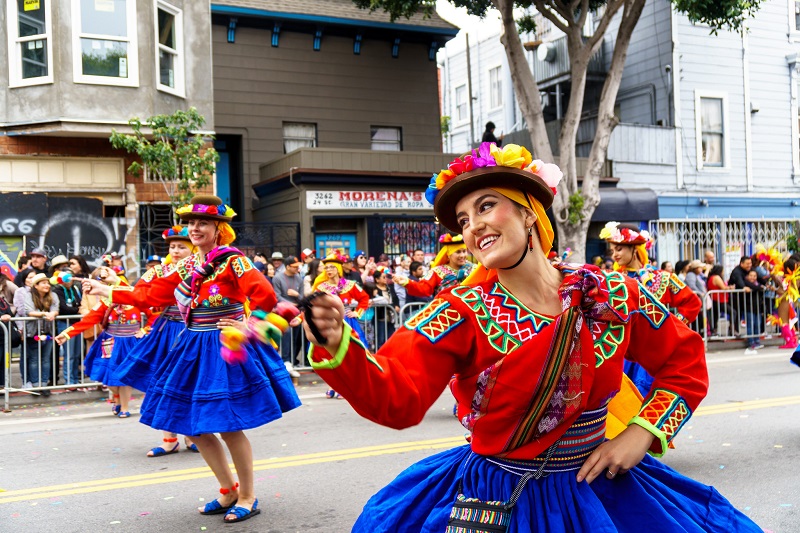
(449, 268)
(353, 297)
(122, 323)
(194, 391)
(629, 251)
(535, 354)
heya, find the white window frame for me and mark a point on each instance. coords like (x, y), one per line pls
(398, 143)
(794, 31)
(133, 49)
(284, 138)
(726, 160)
(499, 104)
(15, 42)
(180, 83)
(460, 120)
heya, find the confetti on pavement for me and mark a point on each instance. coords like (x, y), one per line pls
(115, 522)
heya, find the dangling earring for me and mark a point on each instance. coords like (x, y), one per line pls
(530, 239)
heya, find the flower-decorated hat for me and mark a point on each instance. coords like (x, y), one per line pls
(206, 206)
(511, 167)
(335, 257)
(630, 234)
(176, 233)
(448, 239)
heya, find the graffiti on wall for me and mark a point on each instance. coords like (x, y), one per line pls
(61, 226)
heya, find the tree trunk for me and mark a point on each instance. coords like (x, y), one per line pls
(525, 86)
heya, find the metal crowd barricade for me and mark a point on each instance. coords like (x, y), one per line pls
(294, 346)
(34, 354)
(737, 314)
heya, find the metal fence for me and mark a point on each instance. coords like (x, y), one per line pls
(42, 364)
(677, 239)
(737, 314)
(382, 323)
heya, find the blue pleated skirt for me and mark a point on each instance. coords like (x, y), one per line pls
(639, 376)
(650, 497)
(137, 368)
(193, 391)
(101, 368)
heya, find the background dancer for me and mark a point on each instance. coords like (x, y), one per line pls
(138, 367)
(629, 252)
(121, 323)
(448, 269)
(194, 391)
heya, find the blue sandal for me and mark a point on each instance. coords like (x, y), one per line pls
(158, 451)
(124, 414)
(242, 513)
(191, 447)
(215, 507)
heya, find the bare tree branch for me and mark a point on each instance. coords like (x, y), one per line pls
(611, 9)
(584, 11)
(606, 120)
(558, 20)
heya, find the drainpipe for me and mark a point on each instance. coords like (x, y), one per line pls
(299, 202)
(748, 128)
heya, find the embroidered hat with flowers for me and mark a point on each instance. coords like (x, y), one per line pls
(176, 233)
(617, 233)
(206, 206)
(510, 168)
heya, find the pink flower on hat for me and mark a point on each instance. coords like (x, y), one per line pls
(551, 175)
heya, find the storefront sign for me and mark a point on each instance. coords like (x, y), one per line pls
(368, 200)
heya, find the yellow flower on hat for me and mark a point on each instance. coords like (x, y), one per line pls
(443, 177)
(511, 155)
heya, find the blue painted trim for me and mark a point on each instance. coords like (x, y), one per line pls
(318, 39)
(396, 48)
(318, 19)
(232, 29)
(728, 207)
(276, 34)
(432, 51)
(357, 44)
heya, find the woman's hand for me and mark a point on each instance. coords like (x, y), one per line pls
(296, 321)
(61, 339)
(50, 316)
(96, 288)
(231, 323)
(350, 314)
(5, 318)
(618, 455)
(400, 279)
(327, 312)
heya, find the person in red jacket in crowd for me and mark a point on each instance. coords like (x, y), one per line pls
(629, 246)
(448, 269)
(533, 354)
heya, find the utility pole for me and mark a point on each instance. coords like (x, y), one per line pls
(469, 94)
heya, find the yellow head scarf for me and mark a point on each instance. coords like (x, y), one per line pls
(324, 276)
(226, 234)
(443, 257)
(544, 228)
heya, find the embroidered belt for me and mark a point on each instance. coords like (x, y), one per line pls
(172, 313)
(580, 440)
(123, 330)
(206, 318)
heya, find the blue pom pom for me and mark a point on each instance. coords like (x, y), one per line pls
(430, 193)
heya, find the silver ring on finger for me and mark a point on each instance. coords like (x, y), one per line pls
(610, 474)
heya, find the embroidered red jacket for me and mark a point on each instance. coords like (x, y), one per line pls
(350, 293)
(436, 280)
(502, 356)
(118, 314)
(234, 281)
(670, 291)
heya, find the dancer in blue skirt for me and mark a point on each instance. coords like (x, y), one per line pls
(121, 325)
(533, 354)
(138, 367)
(193, 390)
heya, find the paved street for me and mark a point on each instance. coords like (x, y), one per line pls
(69, 467)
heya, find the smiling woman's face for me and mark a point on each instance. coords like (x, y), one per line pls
(203, 233)
(495, 229)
